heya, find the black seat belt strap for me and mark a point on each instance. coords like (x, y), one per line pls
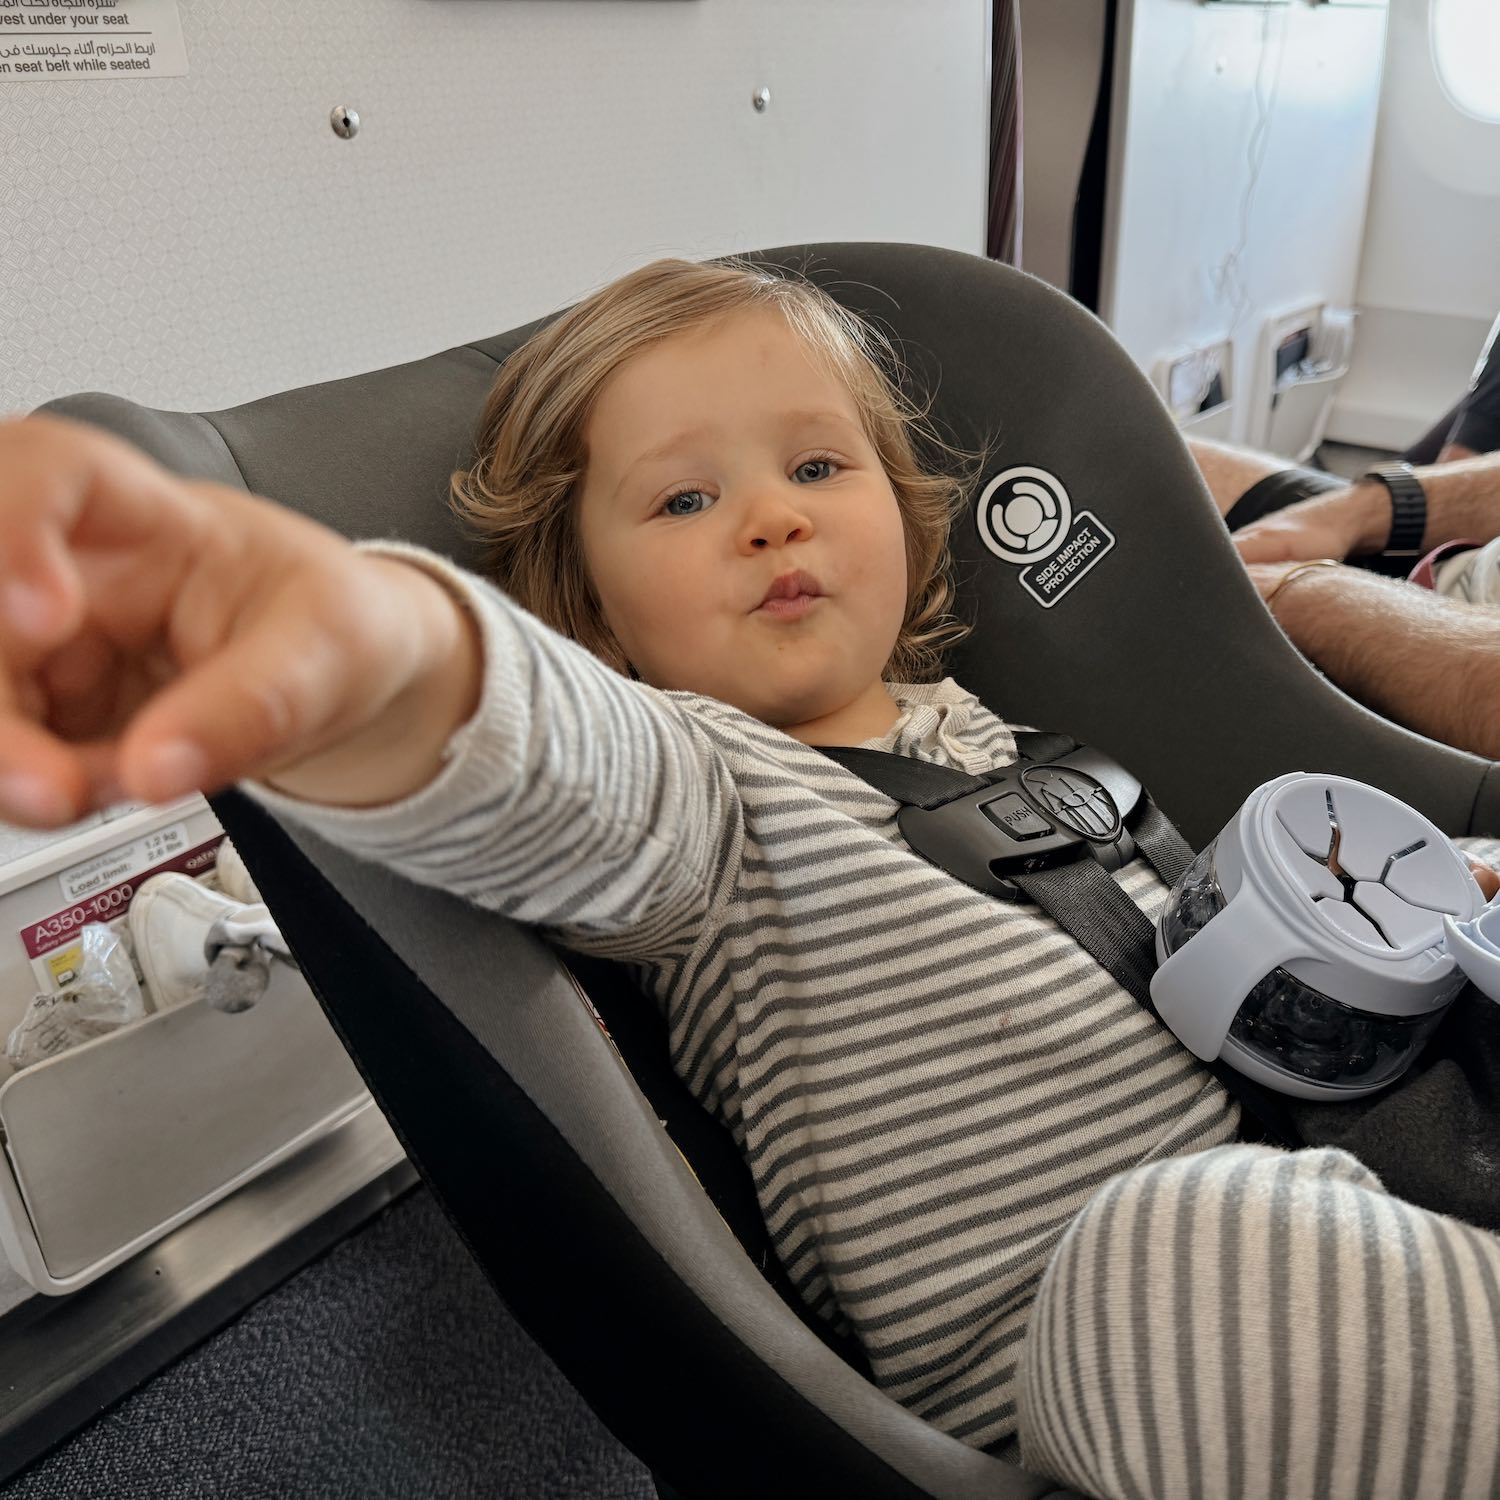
(1168, 853)
(1043, 744)
(915, 783)
(1115, 931)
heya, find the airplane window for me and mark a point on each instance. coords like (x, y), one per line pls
(1465, 47)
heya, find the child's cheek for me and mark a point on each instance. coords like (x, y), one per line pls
(886, 573)
(667, 612)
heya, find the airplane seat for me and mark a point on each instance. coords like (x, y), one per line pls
(1133, 628)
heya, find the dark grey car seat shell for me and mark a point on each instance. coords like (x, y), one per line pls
(471, 1032)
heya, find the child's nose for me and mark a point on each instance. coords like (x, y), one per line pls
(773, 520)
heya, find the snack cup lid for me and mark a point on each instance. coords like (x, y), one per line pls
(1371, 884)
(1475, 946)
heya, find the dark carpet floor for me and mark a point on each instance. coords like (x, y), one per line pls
(386, 1370)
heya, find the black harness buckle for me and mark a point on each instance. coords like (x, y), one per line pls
(1031, 816)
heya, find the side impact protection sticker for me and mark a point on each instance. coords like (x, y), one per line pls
(1025, 517)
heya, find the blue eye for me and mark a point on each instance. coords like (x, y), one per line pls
(812, 470)
(671, 507)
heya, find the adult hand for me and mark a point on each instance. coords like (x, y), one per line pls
(1328, 525)
(159, 636)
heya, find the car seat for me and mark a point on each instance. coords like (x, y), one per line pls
(567, 1172)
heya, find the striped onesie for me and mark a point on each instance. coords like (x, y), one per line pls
(937, 1093)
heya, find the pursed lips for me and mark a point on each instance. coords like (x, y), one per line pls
(791, 596)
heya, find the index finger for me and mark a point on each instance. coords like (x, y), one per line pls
(63, 481)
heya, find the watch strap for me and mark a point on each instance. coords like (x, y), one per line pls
(1408, 508)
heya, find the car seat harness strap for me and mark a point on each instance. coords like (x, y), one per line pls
(1050, 829)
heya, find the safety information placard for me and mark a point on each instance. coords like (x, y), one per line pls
(108, 869)
(56, 39)
(101, 890)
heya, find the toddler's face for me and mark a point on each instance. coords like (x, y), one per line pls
(741, 533)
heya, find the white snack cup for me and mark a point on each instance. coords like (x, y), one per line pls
(1317, 942)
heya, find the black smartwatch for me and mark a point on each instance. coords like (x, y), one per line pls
(1408, 509)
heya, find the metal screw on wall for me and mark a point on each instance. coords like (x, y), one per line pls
(761, 98)
(345, 122)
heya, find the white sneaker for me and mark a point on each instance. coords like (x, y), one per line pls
(170, 919)
(234, 878)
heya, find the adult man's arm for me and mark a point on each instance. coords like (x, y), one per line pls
(1229, 471)
(1463, 502)
(1421, 660)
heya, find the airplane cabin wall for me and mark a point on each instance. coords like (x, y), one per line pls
(1429, 280)
(1197, 246)
(197, 242)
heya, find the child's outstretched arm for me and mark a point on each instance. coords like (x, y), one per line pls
(159, 636)
(573, 799)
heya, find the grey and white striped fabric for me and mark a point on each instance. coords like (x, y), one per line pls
(929, 1086)
(1262, 1323)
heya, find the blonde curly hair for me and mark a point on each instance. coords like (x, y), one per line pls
(520, 494)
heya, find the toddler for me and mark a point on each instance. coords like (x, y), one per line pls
(972, 1148)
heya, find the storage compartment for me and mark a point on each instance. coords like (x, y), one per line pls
(1303, 359)
(113, 1143)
